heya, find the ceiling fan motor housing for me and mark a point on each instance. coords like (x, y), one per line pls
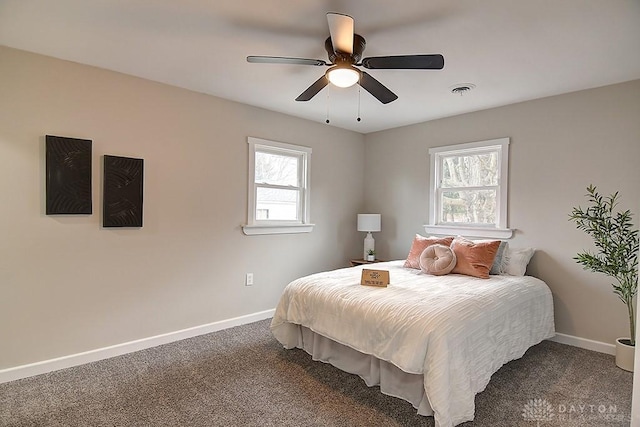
(336, 57)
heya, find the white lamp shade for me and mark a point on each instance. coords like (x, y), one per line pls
(369, 222)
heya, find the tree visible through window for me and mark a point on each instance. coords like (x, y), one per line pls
(469, 186)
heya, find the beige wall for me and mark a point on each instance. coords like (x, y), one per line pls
(67, 285)
(559, 145)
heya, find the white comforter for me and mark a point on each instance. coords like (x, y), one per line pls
(455, 330)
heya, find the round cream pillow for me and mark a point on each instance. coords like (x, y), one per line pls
(437, 260)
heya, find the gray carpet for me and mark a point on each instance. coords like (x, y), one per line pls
(242, 377)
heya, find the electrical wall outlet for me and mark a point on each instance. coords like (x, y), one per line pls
(248, 281)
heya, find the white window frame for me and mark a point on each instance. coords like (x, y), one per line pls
(499, 229)
(303, 225)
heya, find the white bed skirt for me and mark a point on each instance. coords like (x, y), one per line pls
(392, 381)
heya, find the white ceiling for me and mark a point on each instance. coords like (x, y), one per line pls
(512, 50)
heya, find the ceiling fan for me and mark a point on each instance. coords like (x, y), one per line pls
(345, 48)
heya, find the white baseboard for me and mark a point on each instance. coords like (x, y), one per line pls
(29, 370)
(598, 346)
(51, 365)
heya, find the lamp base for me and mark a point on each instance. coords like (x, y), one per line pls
(369, 244)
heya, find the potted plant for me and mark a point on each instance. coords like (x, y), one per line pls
(616, 241)
(371, 255)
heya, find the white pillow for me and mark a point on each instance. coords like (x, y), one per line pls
(516, 260)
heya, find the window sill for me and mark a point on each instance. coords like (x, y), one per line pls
(252, 230)
(453, 230)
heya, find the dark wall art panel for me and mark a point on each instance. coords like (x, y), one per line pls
(123, 182)
(68, 176)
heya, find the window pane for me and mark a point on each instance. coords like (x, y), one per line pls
(276, 169)
(277, 204)
(262, 214)
(470, 171)
(469, 207)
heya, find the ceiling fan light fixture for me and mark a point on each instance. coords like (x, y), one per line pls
(343, 76)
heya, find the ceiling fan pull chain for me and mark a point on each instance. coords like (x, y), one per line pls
(359, 90)
(328, 90)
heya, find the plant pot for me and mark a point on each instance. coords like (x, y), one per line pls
(371, 257)
(624, 354)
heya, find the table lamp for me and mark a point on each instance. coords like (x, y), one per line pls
(368, 223)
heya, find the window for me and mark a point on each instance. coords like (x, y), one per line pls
(468, 192)
(278, 188)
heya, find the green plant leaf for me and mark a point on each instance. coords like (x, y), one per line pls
(616, 242)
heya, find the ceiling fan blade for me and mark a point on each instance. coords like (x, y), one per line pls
(341, 30)
(313, 90)
(405, 62)
(284, 60)
(377, 89)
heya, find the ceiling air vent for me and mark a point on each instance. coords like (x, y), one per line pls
(462, 88)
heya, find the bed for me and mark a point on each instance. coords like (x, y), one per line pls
(433, 341)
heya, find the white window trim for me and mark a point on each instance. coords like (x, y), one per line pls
(500, 230)
(257, 227)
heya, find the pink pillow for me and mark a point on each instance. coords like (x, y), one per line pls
(474, 258)
(419, 244)
(437, 260)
